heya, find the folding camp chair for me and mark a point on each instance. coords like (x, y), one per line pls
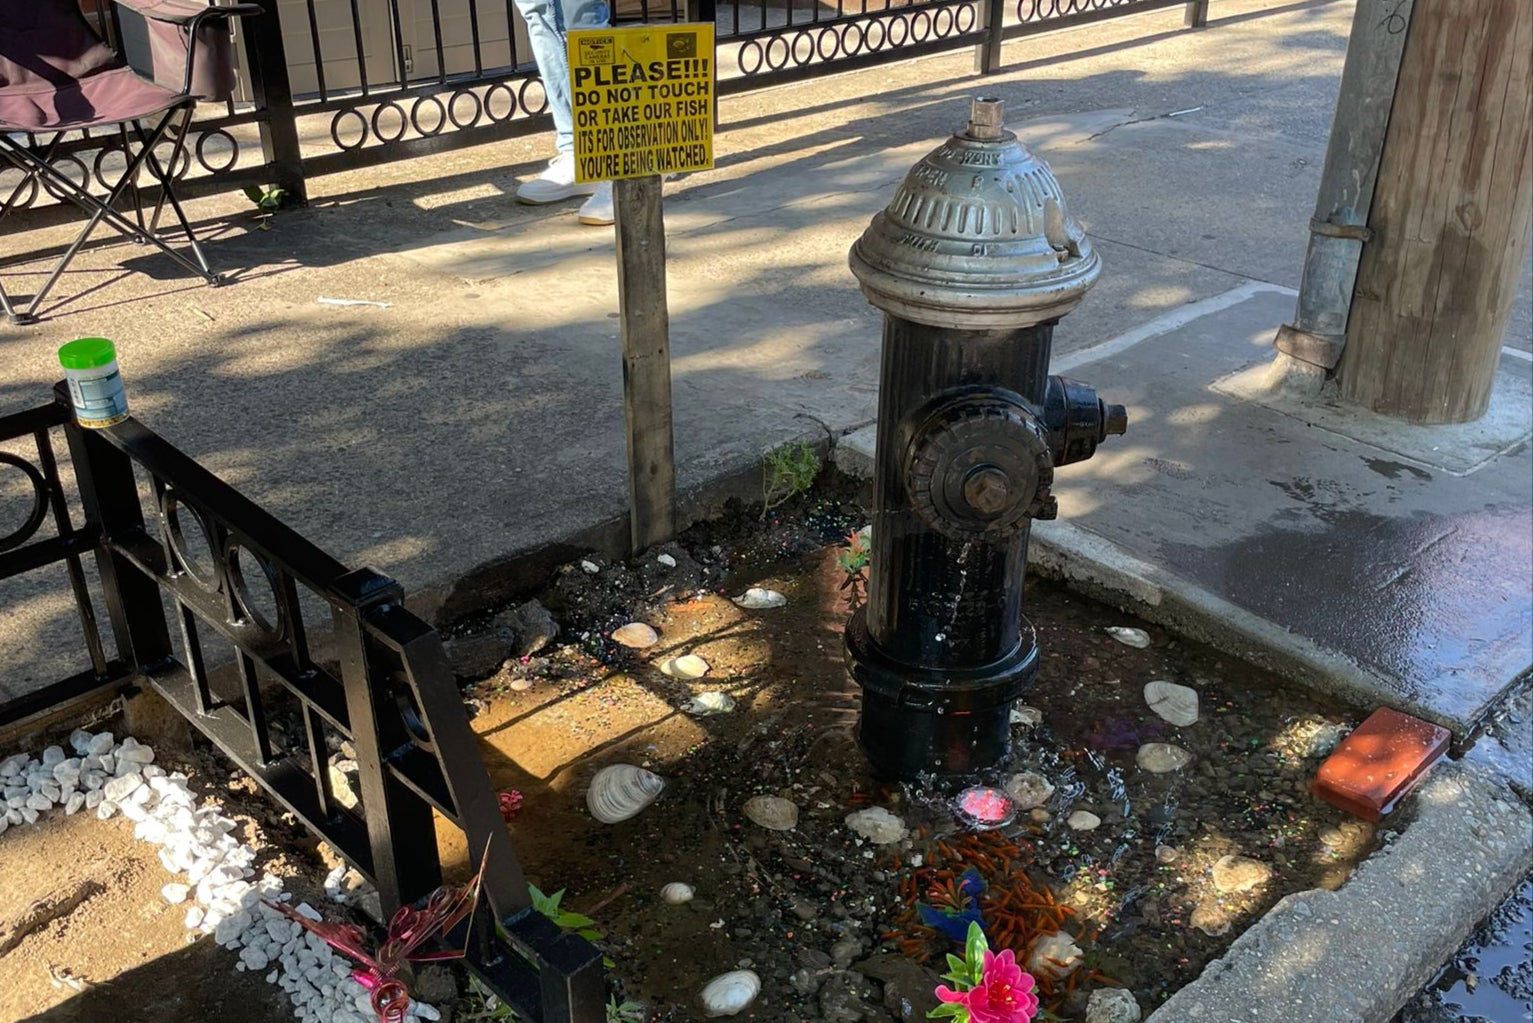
(58, 77)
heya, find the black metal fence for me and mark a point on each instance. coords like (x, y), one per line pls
(330, 85)
(220, 608)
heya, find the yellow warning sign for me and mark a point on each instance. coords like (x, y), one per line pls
(643, 100)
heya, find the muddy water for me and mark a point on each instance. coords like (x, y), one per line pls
(798, 907)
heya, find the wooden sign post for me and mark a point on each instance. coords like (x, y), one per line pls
(643, 105)
(646, 329)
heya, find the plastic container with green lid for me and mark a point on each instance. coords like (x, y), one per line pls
(95, 385)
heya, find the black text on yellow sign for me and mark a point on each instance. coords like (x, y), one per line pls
(643, 100)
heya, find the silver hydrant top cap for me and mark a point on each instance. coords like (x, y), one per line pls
(977, 237)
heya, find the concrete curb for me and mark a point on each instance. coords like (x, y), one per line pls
(1356, 955)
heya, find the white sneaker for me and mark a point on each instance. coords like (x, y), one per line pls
(597, 210)
(555, 183)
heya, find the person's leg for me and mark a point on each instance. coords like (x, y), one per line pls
(545, 32)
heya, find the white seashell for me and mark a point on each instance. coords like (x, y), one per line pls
(590, 567)
(1161, 758)
(877, 825)
(756, 598)
(1177, 705)
(676, 893)
(1137, 638)
(704, 704)
(729, 993)
(635, 635)
(1053, 955)
(666, 560)
(1027, 717)
(685, 666)
(620, 791)
(772, 812)
(1083, 820)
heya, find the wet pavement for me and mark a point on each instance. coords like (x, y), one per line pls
(1490, 980)
(1391, 574)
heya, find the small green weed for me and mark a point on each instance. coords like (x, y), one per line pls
(787, 472)
(624, 1012)
(267, 202)
(484, 1007)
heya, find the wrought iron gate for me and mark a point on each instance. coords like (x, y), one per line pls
(277, 652)
(331, 85)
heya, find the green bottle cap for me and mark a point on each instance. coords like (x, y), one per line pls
(87, 353)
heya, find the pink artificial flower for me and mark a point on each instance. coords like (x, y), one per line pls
(1004, 995)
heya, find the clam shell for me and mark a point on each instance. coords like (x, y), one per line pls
(1172, 703)
(635, 635)
(676, 893)
(620, 791)
(729, 993)
(756, 598)
(685, 666)
(1137, 638)
(704, 704)
(772, 812)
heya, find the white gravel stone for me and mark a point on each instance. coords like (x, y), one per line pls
(4, 825)
(40, 802)
(13, 765)
(174, 893)
(254, 958)
(119, 789)
(135, 755)
(79, 741)
(105, 809)
(53, 755)
(73, 804)
(151, 771)
(1083, 820)
(1029, 789)
(29, 815)
(94, 780)
(133, 811)
(1112, 1005)
(13, 815)
(101, 743)
(108, 762)
(194, 915)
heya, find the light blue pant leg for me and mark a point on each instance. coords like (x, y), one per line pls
(547, 21)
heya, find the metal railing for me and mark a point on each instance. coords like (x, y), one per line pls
(219, 607)
(332, 85)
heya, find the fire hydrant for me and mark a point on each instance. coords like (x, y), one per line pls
(973, 263)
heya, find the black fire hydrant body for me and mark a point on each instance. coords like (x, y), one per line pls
(972, 263)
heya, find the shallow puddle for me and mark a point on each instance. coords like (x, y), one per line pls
(834, 925)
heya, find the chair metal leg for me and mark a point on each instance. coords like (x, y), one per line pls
(168, 193)
(100, 210)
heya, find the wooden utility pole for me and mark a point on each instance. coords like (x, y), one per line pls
(1449, 222)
